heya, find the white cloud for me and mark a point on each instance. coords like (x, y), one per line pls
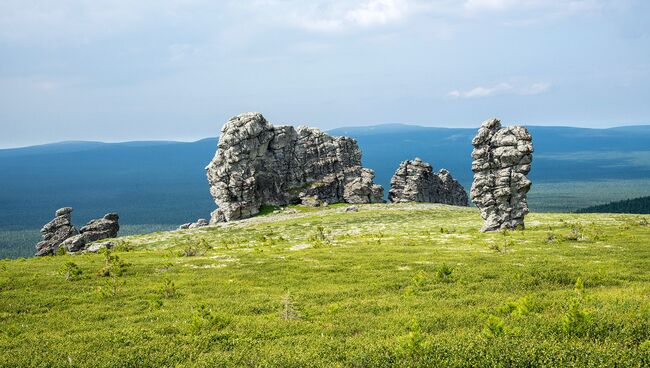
(501, 89)
(475, 5)
(481, 91)
(334, 16)
(377, 12)
(88, 20)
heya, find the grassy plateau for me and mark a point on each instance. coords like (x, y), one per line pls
(389, 285)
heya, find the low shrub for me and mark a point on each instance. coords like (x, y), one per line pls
(70, 271)
(113, 265)
(577, 319)
(493, 327)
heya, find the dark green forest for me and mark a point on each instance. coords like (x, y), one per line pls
(634, 205)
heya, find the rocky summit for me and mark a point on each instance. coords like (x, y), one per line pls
(415, 181)
(502, 159)
(55, 232)
(258, 164)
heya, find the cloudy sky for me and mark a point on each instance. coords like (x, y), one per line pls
(178, 69)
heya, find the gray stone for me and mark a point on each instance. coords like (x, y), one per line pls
(104, 228)
(501, 161)
(260, 164)
(63, 211)
(56, 232)
(96, 247)
(199, 223)
(352, 209)
(75, 243)
(415, 181)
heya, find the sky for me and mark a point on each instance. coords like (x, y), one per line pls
(178, 69)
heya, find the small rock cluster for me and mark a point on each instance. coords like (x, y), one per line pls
(415, 181)
(61, 233)
(194, 225)
(260, 164)
(502, 159)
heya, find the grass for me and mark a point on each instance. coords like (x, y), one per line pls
(390, 285)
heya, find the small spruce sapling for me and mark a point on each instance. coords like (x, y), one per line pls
(414, 343)
(577, 319)
(70, 271)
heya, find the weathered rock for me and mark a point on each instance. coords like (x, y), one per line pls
(260, 164)
(104, 228)
(502, 159)
(96, 247)
(352, 209)
(194, 225)
(415, 181)
(55, 232)
(199, 223)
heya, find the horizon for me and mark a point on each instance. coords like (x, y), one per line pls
(198, 139)
(123, 71)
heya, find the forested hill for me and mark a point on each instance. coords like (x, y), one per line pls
(635, 205)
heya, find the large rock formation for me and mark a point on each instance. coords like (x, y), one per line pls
(55, 232)
(104, 228)
(502, 159)
(415, 181)
(260, 164)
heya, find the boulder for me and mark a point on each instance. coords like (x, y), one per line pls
(258, 164)
(502, 158)
(199, 223)
(415, 181)
(96, 247)
(104, 228)
(56, 232)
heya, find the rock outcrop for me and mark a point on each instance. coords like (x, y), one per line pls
(61, 233)
(502, 159)
(194, 225)
(260, 164)
(55, 232)
(104, 228)
(415, 181)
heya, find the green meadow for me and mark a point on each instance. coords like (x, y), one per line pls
(413, 285)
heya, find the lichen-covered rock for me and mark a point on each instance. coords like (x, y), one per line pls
(260, 164)
(198, 223)
(502, 159)
(104, 228)
(415, 181)
(194, 225)
(97, 246)
(56, 232)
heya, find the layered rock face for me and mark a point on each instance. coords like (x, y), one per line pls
(104, 228)
(502, 159)
(260, 164)
(61, 233)
(55, 232)
(415, 181)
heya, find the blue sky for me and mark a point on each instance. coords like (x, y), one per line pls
(178, 69)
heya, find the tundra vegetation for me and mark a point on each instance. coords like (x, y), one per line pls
(389, 285)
